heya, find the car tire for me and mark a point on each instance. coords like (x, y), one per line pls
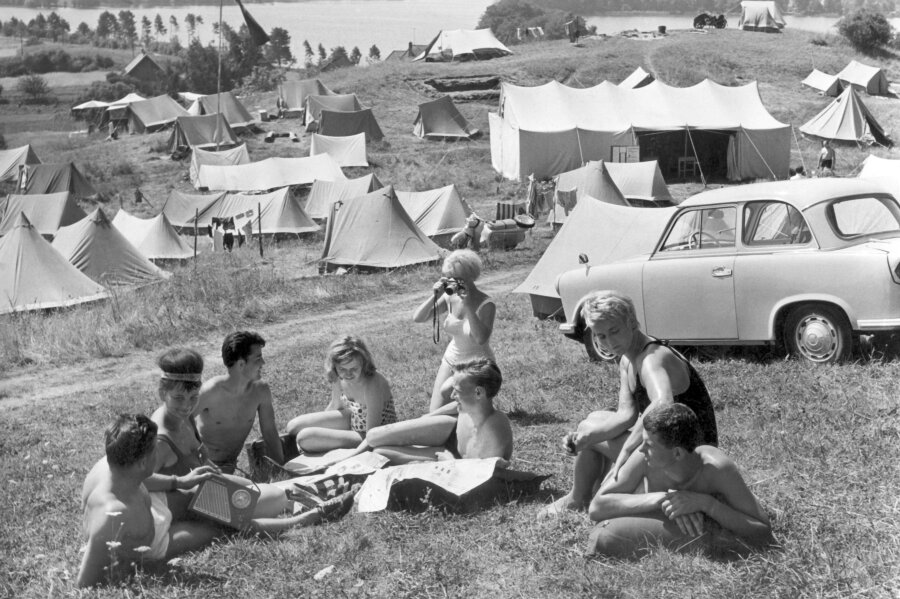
(818, 334)
(595, 351)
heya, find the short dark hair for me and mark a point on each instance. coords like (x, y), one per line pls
(129, 438)
(484, 373)
(238, 345)
(180, 361)
(675, 424)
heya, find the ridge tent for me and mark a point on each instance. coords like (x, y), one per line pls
(181, 208)
(11, 159)
(281, 212)
(155, 237)
(346, 151)
(374, 231)
(761, 16)
(53, 178)
(439, 213)
(604, 232)
(440, 119)
(118, 110)
(638, 78)
(863, 77)
(592, 180)
(294, 93)
(463, 44)
(325, 193)
(825, 84)
(100, 251)
(45, 212)
(846, 118)
(552, 128)
(343, 124)
(229, 157)
(235, 113)
(640, 182)
(147, 116)
(269, 174)
(201, 132)
(337, 102)
(34, 276)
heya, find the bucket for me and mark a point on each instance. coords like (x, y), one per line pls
(662, 29)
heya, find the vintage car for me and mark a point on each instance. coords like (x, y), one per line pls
(811, 264)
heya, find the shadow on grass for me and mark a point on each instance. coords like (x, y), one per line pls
(525, 418)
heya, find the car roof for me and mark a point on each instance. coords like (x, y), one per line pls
(800, 193)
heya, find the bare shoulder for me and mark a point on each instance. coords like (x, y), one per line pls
(381, 383)
(213, 386)
(715, 460)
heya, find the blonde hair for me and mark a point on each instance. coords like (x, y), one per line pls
(609, 305)
(464, 264)
(345, 349)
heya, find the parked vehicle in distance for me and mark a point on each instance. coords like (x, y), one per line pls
(811, 264)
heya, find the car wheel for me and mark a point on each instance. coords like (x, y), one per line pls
(595, 351)
(818, 334)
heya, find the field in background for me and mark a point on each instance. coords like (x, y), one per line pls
(819, 445)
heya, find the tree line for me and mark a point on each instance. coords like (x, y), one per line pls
(810, 7)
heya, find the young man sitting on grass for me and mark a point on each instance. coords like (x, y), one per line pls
(230, 403)
(677, 494)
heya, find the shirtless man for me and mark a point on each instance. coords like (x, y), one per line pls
(121, 516)
(481, 430)
(230, 403)
(675, 493)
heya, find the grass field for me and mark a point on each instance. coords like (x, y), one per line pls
(819, 446)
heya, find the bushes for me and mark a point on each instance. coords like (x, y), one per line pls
(865, 30)
(50, 61)
(34, 87)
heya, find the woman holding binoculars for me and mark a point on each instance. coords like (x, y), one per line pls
(469, 319)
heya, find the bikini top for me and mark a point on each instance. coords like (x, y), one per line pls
(185, 462)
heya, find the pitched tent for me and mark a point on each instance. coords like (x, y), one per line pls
(825, 84)
(53, 178)
(604, 232)
(863, 77)
(12, 159)
(235, 113)
(181, 208)
(118, 111)
(640, 182)
(294, 93)
(439, 213)
(100, 251)
(203, 132)
(638, 78)
(846, 119)
(440, 119)
(342, 124)
(281, 212)
(147, 116)
(325, 193)
(552, 128)
(592, 180)
(463, 44)
(346, 151)
(155, 237)
(761, 16)
(269, 173)
(374, 231)
(875, 166)
(228, 157)
(46, 212)
(34, 276)
(339, 102)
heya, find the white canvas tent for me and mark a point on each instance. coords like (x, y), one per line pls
(593, 181)
(846, 118)
(440, 119)
(604, 232)
(863, 77)
(228, 157)
(205, 131)
(155, 237)
(439, 213)
(100, 251)
(875, 166)
(235, 113)
(46, 212)
(269, 174)
(761, 16)
(638, 78)
(147, 116)
(374, 231)
(463, 44)
(315, 104)
(325, 193)
(346, 151)
(281, 213)
(34, 276)
(182, 208)
(294, 93)
(640, 182)
(552, 128)
(12, 159)
(825, 84)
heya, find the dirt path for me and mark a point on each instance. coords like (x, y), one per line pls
(31, 386)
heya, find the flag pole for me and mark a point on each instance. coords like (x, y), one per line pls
(219, 81)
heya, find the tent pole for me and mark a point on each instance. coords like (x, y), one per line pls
(758, 153)
(219, 80)
(196, 218)
(697, 158)
(259, 226)
(799, 149)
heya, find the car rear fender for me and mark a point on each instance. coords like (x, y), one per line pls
(784, 307)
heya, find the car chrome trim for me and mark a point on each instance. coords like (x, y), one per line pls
(879, 324)
(567, 328)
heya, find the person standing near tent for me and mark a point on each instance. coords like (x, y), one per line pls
(228, 234)
(218, 236)
(826, 156)
(469, 319)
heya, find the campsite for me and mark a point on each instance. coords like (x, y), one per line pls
(818, 445)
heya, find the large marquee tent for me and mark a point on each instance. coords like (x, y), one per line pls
(269, 174)
(553, 128)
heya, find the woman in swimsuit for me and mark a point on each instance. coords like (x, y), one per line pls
(469, 319)
(360, 400)
(651, 374)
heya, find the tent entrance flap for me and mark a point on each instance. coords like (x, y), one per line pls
(681, 153)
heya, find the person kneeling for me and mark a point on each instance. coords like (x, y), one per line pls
(674, 492)
(479, 431)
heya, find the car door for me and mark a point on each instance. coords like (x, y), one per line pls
(688, 283)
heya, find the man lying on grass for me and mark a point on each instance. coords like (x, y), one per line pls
(677, 494)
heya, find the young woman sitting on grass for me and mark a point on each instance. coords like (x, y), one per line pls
(361, 399)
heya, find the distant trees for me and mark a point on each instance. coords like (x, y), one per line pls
(866, 30)
(158, 26)
(355, 55)
(128, 27)
(34, 87)
(279, 47)
(191, 22)
(146, 28)
(374, 53)
(505, 17)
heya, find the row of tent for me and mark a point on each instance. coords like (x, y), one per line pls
(862, 77)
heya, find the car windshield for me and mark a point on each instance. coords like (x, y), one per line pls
(855, 217)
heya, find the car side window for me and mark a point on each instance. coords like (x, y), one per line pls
(774, 223)
(702, 229)
(864, 216)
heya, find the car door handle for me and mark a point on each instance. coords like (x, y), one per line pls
(720, 272)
